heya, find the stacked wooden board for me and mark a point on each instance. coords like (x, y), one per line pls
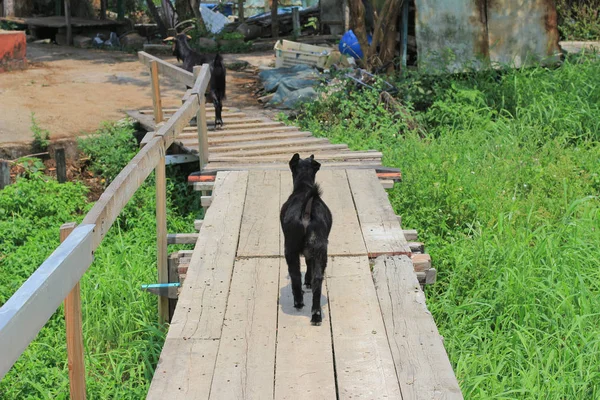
(257, 142)
(236, 335)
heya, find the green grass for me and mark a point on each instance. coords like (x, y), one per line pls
(502, 182)
(122, 336)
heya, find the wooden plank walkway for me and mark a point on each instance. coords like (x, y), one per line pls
(248, 142)
(236, 335)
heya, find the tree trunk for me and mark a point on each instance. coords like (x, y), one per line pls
(183, 10)
(274, 19)
(156, 17)
(196, 9)
(357, 23)
(388, 45)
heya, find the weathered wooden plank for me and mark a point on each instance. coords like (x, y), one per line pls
(259, 233)
(215, 140)
(187, 372)
(245, 366)
(180, 75)
(156, 100)
(422, 364)
(182, 238)
(265, 144)
(248, 130)
(307, 148)
(379, 224)
(304, 352)
(345, 237)
(213, 167)
(26, 311)
(340, 155)
(363, 360)
(201, 305)
(188, 358)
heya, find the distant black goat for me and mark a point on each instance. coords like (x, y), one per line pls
(190, 58)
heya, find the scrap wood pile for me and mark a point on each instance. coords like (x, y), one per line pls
(260, 26)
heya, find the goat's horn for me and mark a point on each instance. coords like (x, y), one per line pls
(168, 39)
(188, 36)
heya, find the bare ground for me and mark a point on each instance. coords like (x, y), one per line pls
(72, 91)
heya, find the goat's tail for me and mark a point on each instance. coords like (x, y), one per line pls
(315, 191)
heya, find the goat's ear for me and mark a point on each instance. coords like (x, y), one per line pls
(315, 164)
(294, 161)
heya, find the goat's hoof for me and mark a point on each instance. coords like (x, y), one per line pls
(299, 305)
(316, 318)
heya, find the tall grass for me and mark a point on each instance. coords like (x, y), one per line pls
(502, 181)
(122, 337)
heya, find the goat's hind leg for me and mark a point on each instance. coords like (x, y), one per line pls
(293, 261)
(310, 262)
(318, 271)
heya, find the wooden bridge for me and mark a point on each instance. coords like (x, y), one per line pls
(234, 333)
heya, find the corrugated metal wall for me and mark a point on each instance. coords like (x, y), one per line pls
(456, 35)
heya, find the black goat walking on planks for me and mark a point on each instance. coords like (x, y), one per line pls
(218, 74)
(306, 222)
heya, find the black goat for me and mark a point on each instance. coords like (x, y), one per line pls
(306, 222)
(218, 74)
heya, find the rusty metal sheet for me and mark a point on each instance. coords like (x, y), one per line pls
(522, 32)
(457, 35)
(451, 35)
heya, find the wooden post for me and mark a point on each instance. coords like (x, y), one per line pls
(158, 114)
(4, 174)
(103, 9)
(173, 277)
(120, 10)
(201, 125)
(274, 19)
(61, 165)
(241, 11)
(161, 234)
(68, 22)
(404, 48)
(296, 21)
(74, 332)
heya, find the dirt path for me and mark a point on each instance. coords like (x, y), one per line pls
(72, 91)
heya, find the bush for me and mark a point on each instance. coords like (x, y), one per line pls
(578, 19)
(502, 182)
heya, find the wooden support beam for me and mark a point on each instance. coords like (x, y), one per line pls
(430, 276)
(387, 183)
(205, 201)
(68, 22)
(199, 71)
(161, 234)
(173, 278)
(156, 101)
(182, 238)
(296, 21)
(421, 262)
(410, 235)
(203, 186)
(4, 174)
(417, 247)
(198, 224)
(61, 165)
(180, 159)
(73, 325)
(400, 220)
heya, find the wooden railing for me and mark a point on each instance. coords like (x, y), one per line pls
(57, 279)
